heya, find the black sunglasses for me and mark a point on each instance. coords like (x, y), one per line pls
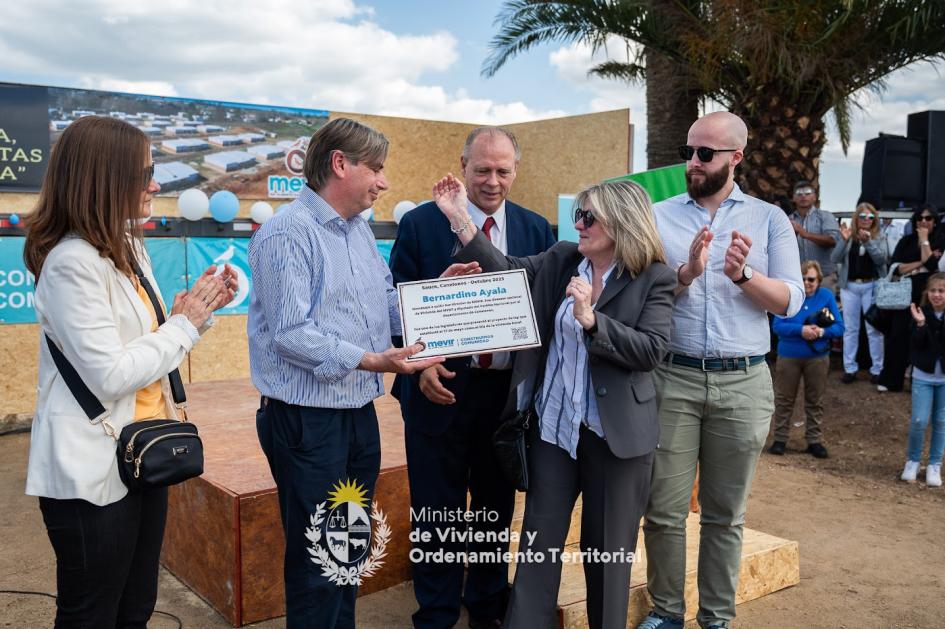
(925, 217)
(148, 176)
(704, 152)
(810, 279)
(864, 215)
(584, 215)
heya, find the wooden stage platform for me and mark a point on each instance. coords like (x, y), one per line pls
(224, 538)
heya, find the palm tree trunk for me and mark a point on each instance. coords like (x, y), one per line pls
(672, 105)
(784, 145)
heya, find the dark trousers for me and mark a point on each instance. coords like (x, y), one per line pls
(106, 559)
(310, 450)
(441, 469)
(896, 346)
(614, 493)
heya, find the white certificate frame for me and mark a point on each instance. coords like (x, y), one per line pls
(470, 329)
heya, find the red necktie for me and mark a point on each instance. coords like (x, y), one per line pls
(485, 360)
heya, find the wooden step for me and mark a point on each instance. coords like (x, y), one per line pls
(769, 564)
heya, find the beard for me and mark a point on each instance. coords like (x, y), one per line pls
(711, 183)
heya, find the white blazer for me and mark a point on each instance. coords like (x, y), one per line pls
(94, 315)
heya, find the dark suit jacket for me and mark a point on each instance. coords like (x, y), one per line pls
(423, 249)
(633, 326)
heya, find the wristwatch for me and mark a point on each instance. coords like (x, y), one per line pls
(746, 275)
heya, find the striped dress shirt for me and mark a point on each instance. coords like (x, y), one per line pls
(566, 401)
(713, 318)
(322, 297)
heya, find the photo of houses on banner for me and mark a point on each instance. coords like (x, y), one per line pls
(252, 151)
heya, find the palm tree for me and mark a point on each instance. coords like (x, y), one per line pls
(781, 65)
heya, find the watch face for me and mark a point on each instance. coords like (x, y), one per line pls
(746, 272)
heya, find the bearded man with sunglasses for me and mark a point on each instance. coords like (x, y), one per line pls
(817, 232)
(736, 259)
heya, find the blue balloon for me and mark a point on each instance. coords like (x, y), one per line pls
(14, 219)
(224, 206)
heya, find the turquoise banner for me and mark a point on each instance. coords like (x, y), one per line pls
(202, 252)
(16, 283)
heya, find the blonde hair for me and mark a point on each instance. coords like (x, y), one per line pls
(935, 277)
(625, 213)
(813, 264)
(866, 207)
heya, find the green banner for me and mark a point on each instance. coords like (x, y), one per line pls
(660, 183)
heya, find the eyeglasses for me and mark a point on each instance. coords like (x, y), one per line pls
(704, 152)
(804, 191)
(148, 176)
(810, 280)
(584, 215)
(864, 216)
(925, 217)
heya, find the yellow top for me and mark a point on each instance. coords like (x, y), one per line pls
(149, 402)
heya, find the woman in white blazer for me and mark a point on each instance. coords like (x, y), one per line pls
(83, 242)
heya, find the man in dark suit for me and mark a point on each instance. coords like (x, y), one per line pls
(450, 413)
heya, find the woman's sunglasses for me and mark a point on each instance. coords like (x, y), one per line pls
(148, 176)
(864, 216)
(704, 152)
(584, 215)
(925, 217)
(810, 280)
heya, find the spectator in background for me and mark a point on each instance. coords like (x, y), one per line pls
(892, 230)
(916, 255)
(804, 352)
(817, 231)
(861, 256)
(928, 382)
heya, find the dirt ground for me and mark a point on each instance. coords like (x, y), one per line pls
(872, 551)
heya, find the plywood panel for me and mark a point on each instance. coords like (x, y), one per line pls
(19, 368)
(223, 352)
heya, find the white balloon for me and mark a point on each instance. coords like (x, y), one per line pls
(368, 214)
(193, 204)
(261, 212)
(402, 208)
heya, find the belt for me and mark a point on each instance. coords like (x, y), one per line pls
(738, 363)
(862, 281)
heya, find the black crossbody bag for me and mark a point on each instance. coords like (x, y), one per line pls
(151, 453)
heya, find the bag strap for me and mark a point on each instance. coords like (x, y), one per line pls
(177, 385)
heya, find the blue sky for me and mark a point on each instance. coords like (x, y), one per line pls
(416, 58)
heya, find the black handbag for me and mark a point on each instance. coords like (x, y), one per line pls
(151, 453)
(879, 318)
(510, 444)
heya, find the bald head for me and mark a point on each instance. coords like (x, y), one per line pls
(717, 129)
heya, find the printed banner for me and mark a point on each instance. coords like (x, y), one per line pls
(254, 151)
(202, 252)
(16, 283)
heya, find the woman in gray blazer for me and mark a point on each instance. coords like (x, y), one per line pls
(603, 309)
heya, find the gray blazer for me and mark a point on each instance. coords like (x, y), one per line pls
(876, 249)
(633, 328)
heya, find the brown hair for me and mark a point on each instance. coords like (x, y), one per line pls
(357, 142)
(813, 264)
(92, 188)
(935, 277)
(866, 207)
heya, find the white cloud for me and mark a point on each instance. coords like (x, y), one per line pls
(324, 54)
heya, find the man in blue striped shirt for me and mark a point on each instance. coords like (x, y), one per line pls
(736, 259)
(320, 317)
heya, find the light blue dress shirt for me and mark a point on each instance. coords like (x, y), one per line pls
(322, 297)
(566, 401)
(713, 318)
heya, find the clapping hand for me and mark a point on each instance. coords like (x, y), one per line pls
(698, 255)
(917, 315)
(210, 292)
(581, 291)
(845, 231)
(863, 235)
(811, 332)
(736, 255)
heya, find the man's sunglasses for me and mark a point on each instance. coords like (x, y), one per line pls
(864, 216)
(584, 215)
(704, 152)
(148, 176)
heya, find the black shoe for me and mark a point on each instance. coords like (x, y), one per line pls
(818, 450)
(777, 447)
(848, 378)
(874, 379)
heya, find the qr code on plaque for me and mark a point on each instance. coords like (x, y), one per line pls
(519, 333)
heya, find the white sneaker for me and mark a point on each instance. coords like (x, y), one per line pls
(933, 475)
(882, 389)
(910, 471)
